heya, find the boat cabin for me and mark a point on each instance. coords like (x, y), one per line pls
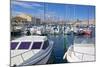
(30, 43)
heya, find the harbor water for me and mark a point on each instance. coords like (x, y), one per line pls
(62, 43)
(58, 49)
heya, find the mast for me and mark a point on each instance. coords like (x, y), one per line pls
(88, 16)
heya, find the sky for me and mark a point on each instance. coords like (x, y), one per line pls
(53, 11)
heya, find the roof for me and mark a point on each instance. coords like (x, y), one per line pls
(30, 38)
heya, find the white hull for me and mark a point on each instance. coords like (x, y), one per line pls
(44, 61)
(31, 56)
(80, 53)
(41, 59)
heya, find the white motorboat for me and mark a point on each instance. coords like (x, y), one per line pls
(35, 30)
(80, 52)
(56, 30)
(16, 30)
(30, 50)
(66, 29)
(48, 28)
(52, 30)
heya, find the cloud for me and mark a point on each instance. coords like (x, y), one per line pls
(37, 5)
(37, 8)
(20, 4)
(30, 5)
(15, 13)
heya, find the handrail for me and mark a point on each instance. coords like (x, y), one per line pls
(82, 54)
(72, 47)
(20, 54)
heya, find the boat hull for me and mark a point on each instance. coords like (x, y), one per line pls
(40, 58)
(80, 53)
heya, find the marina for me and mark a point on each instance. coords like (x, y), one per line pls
(49, 33)
(62, 43)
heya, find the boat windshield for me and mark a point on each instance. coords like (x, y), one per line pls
(14, 45)
(36, 45)
(24, 45)
(45, 45)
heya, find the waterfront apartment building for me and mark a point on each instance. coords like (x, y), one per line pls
(25, 19)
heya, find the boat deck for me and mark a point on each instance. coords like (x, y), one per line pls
(80, 53)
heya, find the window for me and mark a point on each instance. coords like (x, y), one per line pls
(45, 45)
(36, 45)
(24, 45)
(14, 45)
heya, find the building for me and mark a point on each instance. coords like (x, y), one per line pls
(28, 18)
(25, 19)
(84, 22)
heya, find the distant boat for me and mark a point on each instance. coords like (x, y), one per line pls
(66, 29)
(35, 30)
(83, 30)
(56, 30)
(79, 32)
(87, 32)
(29, 50)
(16, 30)
(70, 31)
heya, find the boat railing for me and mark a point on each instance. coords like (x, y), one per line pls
(21, 55)
(82, 54)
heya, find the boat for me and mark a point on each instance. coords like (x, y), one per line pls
(81, 51)
(87, 32)
(84, 31)
(56, 30)
(65, 29)
(52, 30)
(30, 50)
(16, 30)
(48, 28)
(80, 31)
(35, 30)
(70, 31)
